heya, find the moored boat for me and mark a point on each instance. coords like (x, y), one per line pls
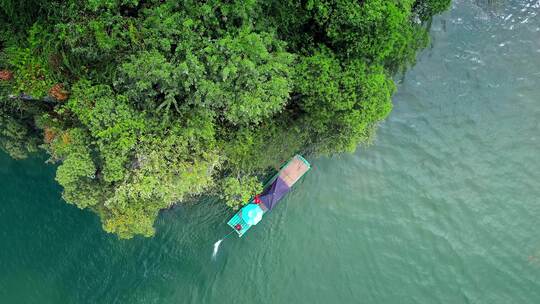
(274, 190)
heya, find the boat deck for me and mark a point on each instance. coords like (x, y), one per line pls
(237, 219)
(294, 170)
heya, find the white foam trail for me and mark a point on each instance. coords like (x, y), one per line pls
(216, 248)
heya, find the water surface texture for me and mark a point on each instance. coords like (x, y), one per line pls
(444, 207)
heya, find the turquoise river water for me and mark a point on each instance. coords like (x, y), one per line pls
(444, 207)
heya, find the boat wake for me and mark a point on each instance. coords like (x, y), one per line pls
(216, 248)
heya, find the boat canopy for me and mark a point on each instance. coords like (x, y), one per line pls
(273, 194)
(252, 214)
(283, 182)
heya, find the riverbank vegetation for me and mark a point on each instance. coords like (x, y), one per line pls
(144, 104)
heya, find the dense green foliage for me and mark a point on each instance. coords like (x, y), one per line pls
(238, 191)
(173, 99)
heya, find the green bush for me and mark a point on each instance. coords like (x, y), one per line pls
(237, 192)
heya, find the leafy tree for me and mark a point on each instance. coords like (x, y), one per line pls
(252, 150)
(248, 77)
(425, 9)
(77, 173)
(238, 191)
(113, 125)
(342, 112)
(16, 136)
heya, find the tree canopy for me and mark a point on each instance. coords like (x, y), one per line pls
(147, 103)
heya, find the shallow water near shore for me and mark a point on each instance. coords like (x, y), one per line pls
(444, 207)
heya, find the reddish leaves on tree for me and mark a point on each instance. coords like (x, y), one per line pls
(58, 92)
(6, 75)
(49, 135)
